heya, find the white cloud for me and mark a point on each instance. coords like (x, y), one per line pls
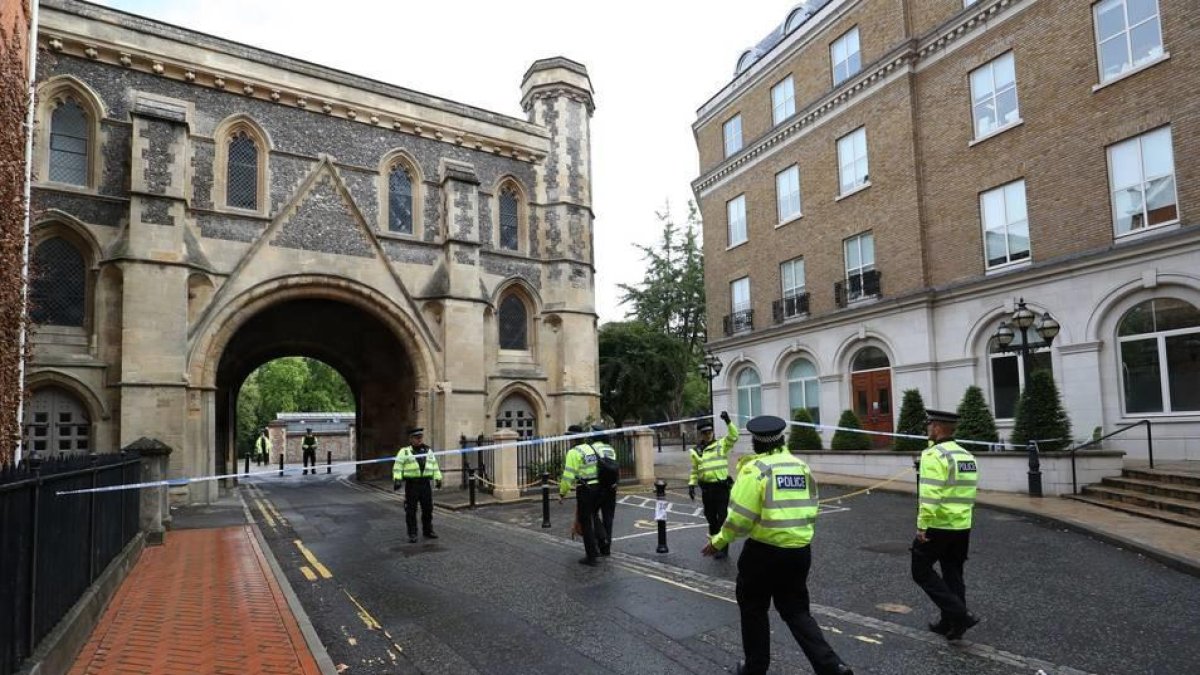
(652, 65)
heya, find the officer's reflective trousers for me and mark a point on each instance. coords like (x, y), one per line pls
(767, 573)
(310, 458)
(949, 549)
(587, 513)
(608, 509)
(715, 497)
(418, 491)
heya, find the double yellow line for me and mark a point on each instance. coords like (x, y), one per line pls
(320, 569)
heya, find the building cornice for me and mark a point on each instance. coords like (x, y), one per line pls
(280, 80)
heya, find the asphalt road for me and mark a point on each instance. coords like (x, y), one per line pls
(497, 593)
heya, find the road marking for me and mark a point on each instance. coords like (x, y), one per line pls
(870, 641)
(363, 614)
(686, 587)
(312, 560)
(669, 529)
(266, 514)
(308, 573)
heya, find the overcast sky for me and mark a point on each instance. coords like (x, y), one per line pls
(652, 64)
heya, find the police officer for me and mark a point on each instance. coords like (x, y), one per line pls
(710, 469)
(579, 467)
(308, 448)
(416, 467)
(948, 477)
(608, 494)
(774, 501)
(262, 448)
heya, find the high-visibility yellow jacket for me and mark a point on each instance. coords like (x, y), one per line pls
(262, 445)
(774, 500)
(948, 478)
(711, 464)
(579, 465)
(604, 449)
(407, 466)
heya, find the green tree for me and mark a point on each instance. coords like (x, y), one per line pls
(912, 422)
(639, 371)
(289, 384)
(1040, 415)
(803, 437)
(975, 421)
(855, 441)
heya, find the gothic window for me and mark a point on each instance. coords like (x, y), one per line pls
(1160, 357)
(514, 323)
(510, 219)
(57, 291)
(400, 200)
(517, 414)
(56, 423)
(242, 172)
(69, 140)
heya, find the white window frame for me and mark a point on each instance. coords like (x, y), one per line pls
(1035, 348)
(1124, 35)
(732, 133)
(734, 305)
(803, 383)
(863, 266)
(993, 96)
(783, 100)
(838, 61)
(753, 393)
(858, 164)
(1164, 376)
(794, 289)
(1011, 219)
(735, 219)
(1139, 143)
(788, 203)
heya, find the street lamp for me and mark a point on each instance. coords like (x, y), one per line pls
(710, 367)
(1047, 328)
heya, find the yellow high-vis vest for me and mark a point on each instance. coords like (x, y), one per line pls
(579, 465)
(774, 501)
(712, 464)
(949, 476)
(407, 466)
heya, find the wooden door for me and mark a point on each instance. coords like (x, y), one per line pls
(872, 400)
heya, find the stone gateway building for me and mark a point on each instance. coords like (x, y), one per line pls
(202, 207)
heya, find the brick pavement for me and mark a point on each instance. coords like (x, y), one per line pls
(205, 602)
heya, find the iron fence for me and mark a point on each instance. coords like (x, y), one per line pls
(483, 461)
(52, 548)
(533, 458)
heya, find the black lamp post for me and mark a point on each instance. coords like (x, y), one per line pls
(1047, 328)
(710, 367)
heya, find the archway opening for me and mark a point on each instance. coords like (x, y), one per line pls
(295, 396)
(360, 348)
(871, 393)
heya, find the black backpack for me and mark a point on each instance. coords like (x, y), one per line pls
(608, 471)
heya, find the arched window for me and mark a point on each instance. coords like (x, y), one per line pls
(804, 389)
(241, 172)
(516, 413)
(57, 292)
(510, 219)
(869, 358)
(56, 422)
(797, 17)
(400, 200)
(1160, 357)
(514, 323)
(749, 393)
(69, 140)
(1009, 375)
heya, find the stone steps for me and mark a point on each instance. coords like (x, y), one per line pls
(1160, 476)
(1156, 514)
(1143, 499)
(1182, 491)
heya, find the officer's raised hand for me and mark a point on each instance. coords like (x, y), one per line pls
(725, 417)
(692, 492)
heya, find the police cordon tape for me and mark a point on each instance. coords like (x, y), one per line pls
(277, 473)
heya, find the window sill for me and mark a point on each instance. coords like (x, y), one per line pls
(1132, 71)
(795, 318)
(996, 132)
(740, 243)
(789, 221)
(853, 192)
(66, 187)
(1144, 232)
(1182, 417)
(1009, 267)
(865, 300)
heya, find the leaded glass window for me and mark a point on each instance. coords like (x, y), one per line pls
(241, 187)
(514, 326)
(56, 293)
(510, 223)
(400, 201)
(69, 144)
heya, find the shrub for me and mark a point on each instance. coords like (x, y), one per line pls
(913, 422)
(975, 421)
(854, 441)
(1040, 414)
(803, 437)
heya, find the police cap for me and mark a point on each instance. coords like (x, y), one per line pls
(706, 425)
(416, 431)
(574, 429)
(941, 416)
(766, 429)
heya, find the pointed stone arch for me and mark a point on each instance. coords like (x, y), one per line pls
(510, 193)
(401, 159)
(237, 129)
(51, 95)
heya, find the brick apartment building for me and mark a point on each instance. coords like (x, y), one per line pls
(882, 181)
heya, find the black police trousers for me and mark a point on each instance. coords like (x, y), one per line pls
(587, 513)
(608, 509)
(310, 458)
(715, 497)
(767, 573)
(418, 491)
(949, 549)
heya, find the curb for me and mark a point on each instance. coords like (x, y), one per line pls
(315, 646)
(1175, 562)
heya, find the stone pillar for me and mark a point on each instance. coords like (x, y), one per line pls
(155, 511)
(507, 480)
(643, 455)
(277, 432)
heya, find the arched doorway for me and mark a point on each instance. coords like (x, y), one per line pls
(516, 413)
(871, 392)
(57, 423)
(355, 342)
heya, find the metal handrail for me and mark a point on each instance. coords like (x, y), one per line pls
(1095, 441)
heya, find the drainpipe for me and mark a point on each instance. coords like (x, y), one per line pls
(33, 29)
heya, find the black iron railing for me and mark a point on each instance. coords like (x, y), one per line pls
(53, 547)
(482, 461)
(1096, 442)
(739, 322)
(868, 284)
(790, 307)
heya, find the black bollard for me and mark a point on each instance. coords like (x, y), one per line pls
(247, 464)
(328, 461)
(545, 499)
(1035, 471)
(471, 486)
(660, 513)
(281, 465)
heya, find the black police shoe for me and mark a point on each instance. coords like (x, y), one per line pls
(412, 538)
(606, 551)
(431, 535)
(941, 627)
(842, 669)
(958, 627)
(590, 562)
